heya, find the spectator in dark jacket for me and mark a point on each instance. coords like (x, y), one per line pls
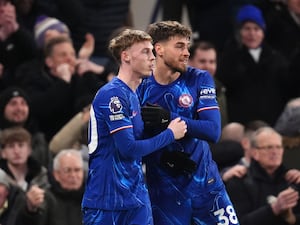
(267, 194)
(283, 23)
(67, 185)
(100, 18)
(56, 90)
(254, 74)
(16, 44)
(15, 111)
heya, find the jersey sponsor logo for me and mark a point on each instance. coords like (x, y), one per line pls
(115, 105)
(116, 117)
(185, 100)
(207, 93)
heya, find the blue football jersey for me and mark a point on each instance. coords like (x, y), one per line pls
(115, 178)
(192, 97)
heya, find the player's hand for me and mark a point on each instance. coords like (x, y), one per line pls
(178, 127)
(177, 163)
(155, 117)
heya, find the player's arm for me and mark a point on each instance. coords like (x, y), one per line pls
(130, 147)
(208, 127)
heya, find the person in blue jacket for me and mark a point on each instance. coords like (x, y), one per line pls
(115, 191)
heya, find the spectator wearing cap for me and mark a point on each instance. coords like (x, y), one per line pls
(255, 75)
(15, 111)
(100, 18)
(47, 27)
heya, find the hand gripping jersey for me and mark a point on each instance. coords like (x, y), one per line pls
(115, 178)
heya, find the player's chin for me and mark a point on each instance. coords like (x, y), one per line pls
(182, 68)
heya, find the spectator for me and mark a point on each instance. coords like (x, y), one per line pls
(12, 201)
(233, 131)
(57, 82)
(15, 111)
(288, 122)
(67, 186)
(255, 75)
(16, 44)
(46, 28)
(283, 23)
(228, 151)
(17, 162)
(16, 207)
(27, 173)
(100, 18)
(267, 194)
(203, 55)
(239, 169)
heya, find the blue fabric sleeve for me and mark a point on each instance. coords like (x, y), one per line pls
(129, 147)
(208, 127)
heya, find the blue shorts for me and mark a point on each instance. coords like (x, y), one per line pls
(137, 216)
(173, 208)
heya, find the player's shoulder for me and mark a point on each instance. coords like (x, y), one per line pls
(192, 71)
(113, 88)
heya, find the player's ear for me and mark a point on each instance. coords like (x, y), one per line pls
(158, 48)
(125, 57)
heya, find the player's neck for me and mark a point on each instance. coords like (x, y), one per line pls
(132, 81)
(164, 76)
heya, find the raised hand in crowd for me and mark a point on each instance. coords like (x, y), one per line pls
(35, 197)
(8, 21)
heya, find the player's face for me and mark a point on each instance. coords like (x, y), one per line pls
(141, 58)
(175, 53)
(71, 174)
(205, 59)
(252, 35)
(16, 153)
(16, 110)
